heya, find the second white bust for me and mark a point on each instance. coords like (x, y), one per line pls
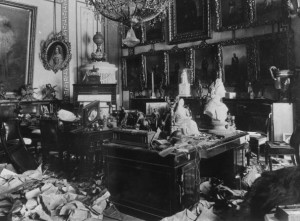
(215, 108)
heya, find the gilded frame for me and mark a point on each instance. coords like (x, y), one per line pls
(155, 60)
(133, 75)
(230, 74)
(282, 56)
(206, 63)
(19, 20)
(153, 32)
(51, 60)
(176, 60)
(226, 15)
(179, 32)
(277, 11)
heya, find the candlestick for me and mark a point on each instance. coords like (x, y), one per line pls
(152, 88)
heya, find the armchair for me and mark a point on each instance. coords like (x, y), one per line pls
(14, 146)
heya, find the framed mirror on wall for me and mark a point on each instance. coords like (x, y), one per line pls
(189, 20)
(17, 38)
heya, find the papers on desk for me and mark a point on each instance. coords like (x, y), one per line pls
(254, 134)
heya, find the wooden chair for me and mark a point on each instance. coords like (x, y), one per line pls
(51, 139)
(282, 121)
(14, 146)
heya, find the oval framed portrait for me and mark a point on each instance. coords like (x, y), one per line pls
(56, 53)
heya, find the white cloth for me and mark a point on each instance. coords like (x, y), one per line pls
(65, 115)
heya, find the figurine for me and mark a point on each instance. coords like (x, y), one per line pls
(49, 92)
(184, 119)
(27, 92)
(215, 108)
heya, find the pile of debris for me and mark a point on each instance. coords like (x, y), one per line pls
(35, 195)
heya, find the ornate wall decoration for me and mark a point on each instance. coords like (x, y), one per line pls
(56, 53)
(231, 15)
(17, 41)
(189, 20)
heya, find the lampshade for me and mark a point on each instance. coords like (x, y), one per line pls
(131, 40)
(129, 12)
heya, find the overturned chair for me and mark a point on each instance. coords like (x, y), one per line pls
(14, 146)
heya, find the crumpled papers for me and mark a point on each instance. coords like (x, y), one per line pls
(36, 196)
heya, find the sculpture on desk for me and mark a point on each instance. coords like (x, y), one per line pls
(215, 108)
(184, 120)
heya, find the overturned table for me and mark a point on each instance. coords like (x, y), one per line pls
(144, 184)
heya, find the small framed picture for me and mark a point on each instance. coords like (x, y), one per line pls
(56, 53)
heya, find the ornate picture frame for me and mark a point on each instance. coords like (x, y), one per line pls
(206, 63)
(153, 32)
(281, 56)
(233, 14)
(270, 11)
(189, 20)
(133, 74)
(56, 53)
(177, 60)
(237, 62)
(17, 56)
(155, 61)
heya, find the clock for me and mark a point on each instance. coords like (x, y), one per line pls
(90, 113)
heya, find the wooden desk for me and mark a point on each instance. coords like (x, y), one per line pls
(89, 144)
(144, 184)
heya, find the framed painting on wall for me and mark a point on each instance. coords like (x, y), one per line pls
(155, 62)
(232, 14)
(133, 73)
(235, 65)
(189, 20)
(270, 11)
(177, 61)
(154, 32)
(206, 66)
(273, 50)
(17, 38)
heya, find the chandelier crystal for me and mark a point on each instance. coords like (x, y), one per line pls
(129, 13)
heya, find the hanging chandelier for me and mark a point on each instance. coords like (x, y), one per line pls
(129, 13)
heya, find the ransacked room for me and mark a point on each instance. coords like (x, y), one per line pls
(149, 110)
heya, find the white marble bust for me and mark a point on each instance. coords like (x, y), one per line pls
(215, 108)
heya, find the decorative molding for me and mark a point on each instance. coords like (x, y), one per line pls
(65, 32)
